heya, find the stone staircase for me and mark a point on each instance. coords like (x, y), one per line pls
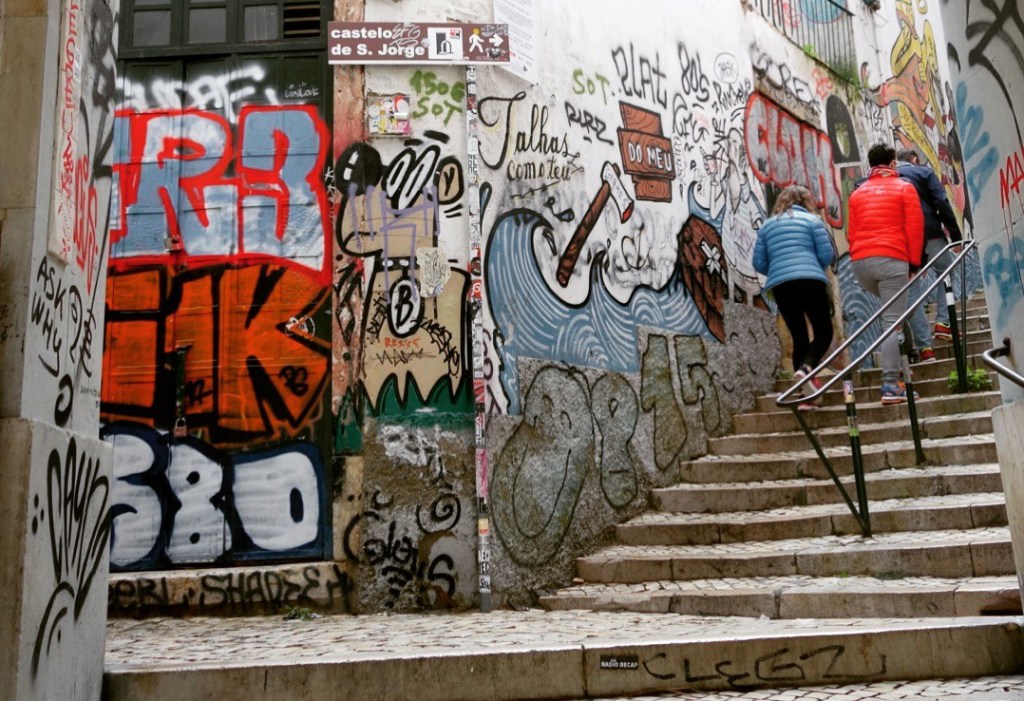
(757, 547)
(757, 527)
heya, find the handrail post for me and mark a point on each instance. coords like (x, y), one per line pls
(908, 386)
(959, 352)
(858, 458)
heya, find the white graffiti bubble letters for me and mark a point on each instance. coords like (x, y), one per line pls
(277, 499)
(200, 532)
(137, 528)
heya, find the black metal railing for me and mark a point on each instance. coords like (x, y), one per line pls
(958, 330)
(823, 29)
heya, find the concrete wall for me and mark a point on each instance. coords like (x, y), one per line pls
(56, 105)
(596, 373)
(986, 89)
(988, 74)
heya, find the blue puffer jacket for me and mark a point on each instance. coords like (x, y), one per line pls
(793, 245)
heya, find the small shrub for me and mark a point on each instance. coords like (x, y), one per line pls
(978, 380)
(300, 613)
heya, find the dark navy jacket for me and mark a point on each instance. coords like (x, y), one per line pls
(934, 205)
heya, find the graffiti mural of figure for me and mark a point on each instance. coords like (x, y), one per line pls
(414, 346)
(734, 206)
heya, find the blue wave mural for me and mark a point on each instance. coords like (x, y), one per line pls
(534, 322)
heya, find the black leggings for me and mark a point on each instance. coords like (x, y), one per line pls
(801, 301)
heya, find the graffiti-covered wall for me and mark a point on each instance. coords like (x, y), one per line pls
(984, 45)
(453, 351)
(217, 361)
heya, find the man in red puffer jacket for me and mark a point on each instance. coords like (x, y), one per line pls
(886, 236)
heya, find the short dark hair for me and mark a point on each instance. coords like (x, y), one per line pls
(881, 155)
(907, 154)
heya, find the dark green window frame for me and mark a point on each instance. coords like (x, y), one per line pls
(162, 28)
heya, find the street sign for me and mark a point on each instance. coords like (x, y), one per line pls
(361, 43)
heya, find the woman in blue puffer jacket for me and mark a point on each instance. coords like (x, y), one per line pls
(793, 249)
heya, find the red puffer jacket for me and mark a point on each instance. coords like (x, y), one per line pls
(885, 218)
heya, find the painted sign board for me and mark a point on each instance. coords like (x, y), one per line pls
(361, 43)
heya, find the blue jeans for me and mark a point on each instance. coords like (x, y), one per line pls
(884, 277)
(920, 329)
(932, 247)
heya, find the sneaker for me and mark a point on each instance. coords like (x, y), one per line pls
(816, 383)
(798, 377)
(895, 394)
(812, 405)
(942, 331)
(926, 355)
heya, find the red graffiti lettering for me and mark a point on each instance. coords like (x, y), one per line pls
(783, 151)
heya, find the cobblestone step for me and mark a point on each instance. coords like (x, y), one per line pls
(930, 425)
(868, 395)
(888, 484)
(536, 655)
(931, 513)
(962, 450)
(992, 688)
(948, 553)
(771, 417)
(797, 596)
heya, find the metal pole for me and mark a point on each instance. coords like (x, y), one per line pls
(908, 385)
(858, 458)
(959, 352)
(483, 522)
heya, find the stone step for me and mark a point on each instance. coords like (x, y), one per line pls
(932, 513)
(888, 484)
(833, 435)
(978, 342)
(868, 394)
(962, 553)
(773, 418)
(940, 369)
(535, 655)
(799, 596)
(962, 450)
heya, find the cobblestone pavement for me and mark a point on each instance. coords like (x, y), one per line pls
(981, 689)
(180, 645)
(157, 643)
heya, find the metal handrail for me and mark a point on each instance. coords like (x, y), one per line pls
(989, 358)
(784, 402)
(861, 514)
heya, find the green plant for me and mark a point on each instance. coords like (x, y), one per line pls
(978, 380)
(785, 375)
(810, 50)
(890, 576)
(300, 613)
(848, 73)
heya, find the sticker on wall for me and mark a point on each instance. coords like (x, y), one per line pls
(388, 115)
(434, 270)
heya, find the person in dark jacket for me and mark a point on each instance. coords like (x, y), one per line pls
(938, 213)
(793, 248)
(885, 231)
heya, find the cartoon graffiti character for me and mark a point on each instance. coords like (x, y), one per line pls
(734, 208)
(411, 343)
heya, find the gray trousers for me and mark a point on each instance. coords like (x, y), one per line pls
(883, 277)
